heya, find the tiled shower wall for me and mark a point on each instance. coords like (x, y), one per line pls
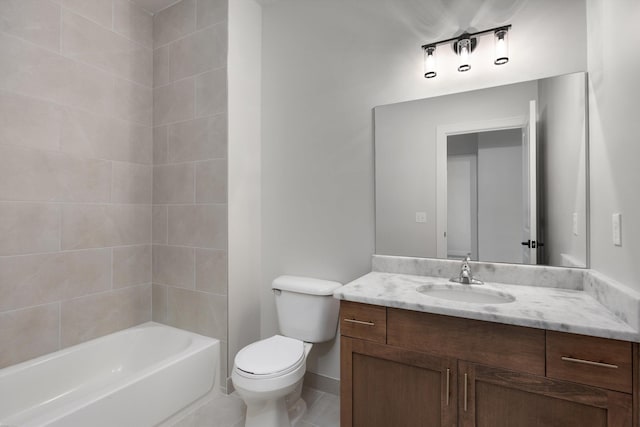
(75, 172)
(190, 168)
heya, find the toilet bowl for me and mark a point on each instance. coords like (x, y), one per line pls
(268, 374)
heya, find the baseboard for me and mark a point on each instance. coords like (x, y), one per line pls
(322, 383)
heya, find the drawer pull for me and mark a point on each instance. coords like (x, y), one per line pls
(589, 362)
(359, 322)
(465, 392)
(448, 375)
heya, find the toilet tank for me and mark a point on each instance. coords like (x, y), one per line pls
(306, 308)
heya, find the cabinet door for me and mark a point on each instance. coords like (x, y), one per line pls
(385, 386)
(494, 397)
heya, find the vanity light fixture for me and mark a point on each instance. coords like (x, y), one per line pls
(464, 45)
(430, 62)
(501, 37)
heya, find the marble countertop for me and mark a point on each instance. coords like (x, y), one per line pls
(556, 309)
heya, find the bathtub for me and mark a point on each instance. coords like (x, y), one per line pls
(136, 377)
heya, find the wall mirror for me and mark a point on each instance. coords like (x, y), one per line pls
(499, 174)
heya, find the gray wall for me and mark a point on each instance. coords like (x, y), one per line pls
(190, 168)
(75, 172)
(326, 64)
(614, 131)
(562, 149)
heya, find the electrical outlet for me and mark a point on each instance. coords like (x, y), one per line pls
(616, 222)
(421, 217)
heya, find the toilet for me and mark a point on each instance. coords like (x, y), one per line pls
(268, 374)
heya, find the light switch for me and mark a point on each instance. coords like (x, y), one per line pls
(575, 223)
(616, 222)
(421, 217)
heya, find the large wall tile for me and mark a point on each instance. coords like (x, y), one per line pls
(174, 22)
(159, 225)
(99, 11)
(174, 266)
(29, 70)
(131, 266)
(211, 271)
(161, 66)
(29, 280)
(89, 135)
(134, 102)
(211, 93)
(92, 316)
(211, 181)
(28, 333)
(91, 226)
(203, 226)
(199, 312)
(174, 102)
(132, 21)
(29, 122)
(160, 145)
(37, 21)
(29, 228)
(159, 303)
(211, 12)
(199, 52)
(199, 139)
(87, 41)
(174, 183)
(132, 183)
(33, 175)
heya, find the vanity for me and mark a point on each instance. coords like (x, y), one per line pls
(557, 347)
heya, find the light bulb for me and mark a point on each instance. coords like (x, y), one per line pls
(429, 62)
(502, 47)
(464, 51)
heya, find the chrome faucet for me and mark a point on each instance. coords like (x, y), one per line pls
(466, 277)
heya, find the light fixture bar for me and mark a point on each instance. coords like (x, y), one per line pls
(467, 35)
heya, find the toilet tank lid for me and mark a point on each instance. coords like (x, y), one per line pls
(305, 285)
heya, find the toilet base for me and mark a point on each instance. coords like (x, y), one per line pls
(297, 411)
(275, 414)
(271, 413)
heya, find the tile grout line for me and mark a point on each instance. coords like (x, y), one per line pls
(71, 58)
(112, 29)
(84, 110)
(192, 76)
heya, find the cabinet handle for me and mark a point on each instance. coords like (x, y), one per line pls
(448, 375)
(589, 362)
(465, 392)
(359, 322)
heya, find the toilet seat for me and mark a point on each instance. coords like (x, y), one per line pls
(269, 358)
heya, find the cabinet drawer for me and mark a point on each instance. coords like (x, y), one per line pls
(505, 346)
(594, 361)
(363, 321)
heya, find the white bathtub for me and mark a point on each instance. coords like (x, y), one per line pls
(136, 377)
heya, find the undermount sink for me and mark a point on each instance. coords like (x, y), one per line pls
(466, 293)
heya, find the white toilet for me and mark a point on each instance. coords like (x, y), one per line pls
(268, 374)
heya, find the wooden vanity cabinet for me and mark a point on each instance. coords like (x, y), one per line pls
(498, 397)
(389, 386)
(421, 369)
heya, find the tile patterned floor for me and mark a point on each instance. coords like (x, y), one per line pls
(220, 410)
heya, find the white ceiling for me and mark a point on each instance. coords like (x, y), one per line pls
(154, 6)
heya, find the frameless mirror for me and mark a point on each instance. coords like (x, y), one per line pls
(498, 174)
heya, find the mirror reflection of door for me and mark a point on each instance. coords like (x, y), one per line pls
(485, 187)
